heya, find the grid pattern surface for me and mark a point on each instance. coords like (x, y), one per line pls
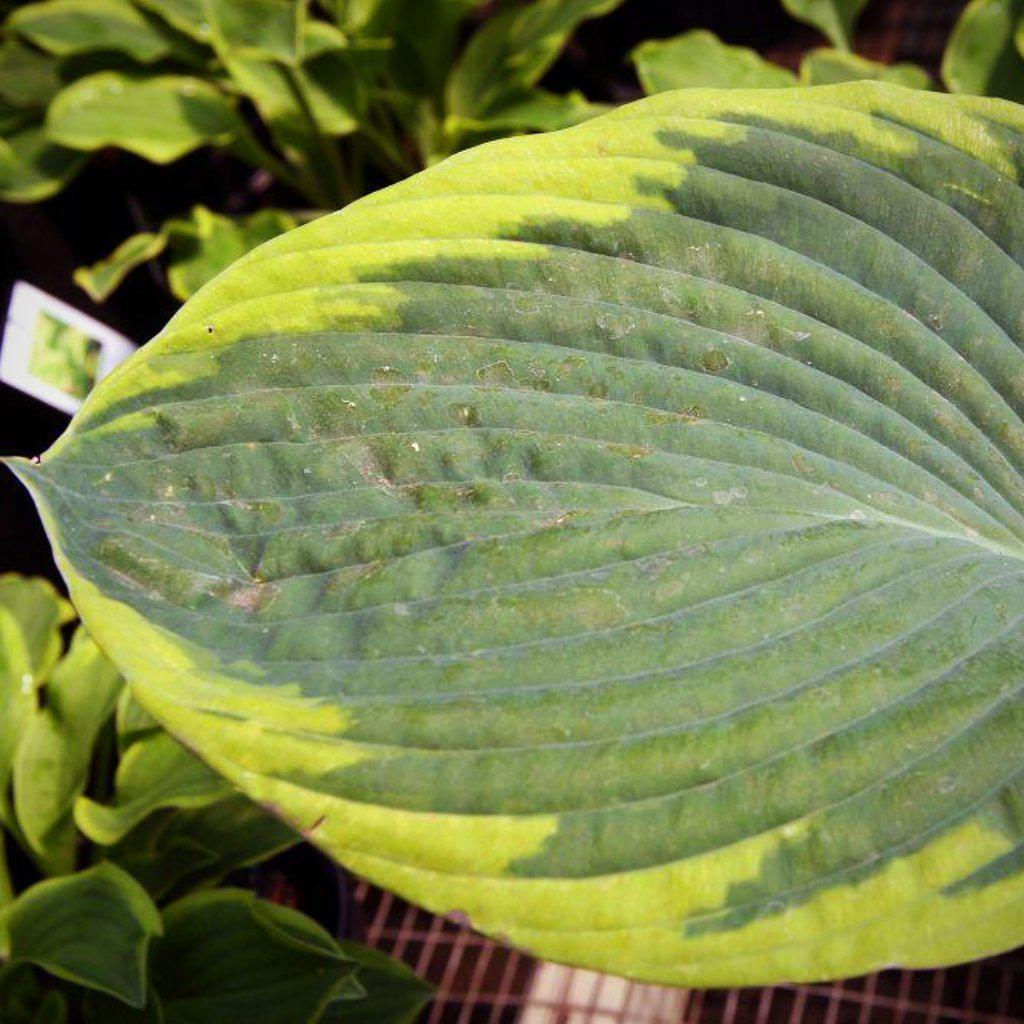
(481, 982)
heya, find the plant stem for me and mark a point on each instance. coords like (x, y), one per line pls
(337, 189)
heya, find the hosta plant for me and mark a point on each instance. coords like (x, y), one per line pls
(116, 835)
(615, 535)
(324, 99)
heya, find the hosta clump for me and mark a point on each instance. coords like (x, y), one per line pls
(614, 535)
(132, 831)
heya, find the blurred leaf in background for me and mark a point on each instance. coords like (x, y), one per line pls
(826, 67)
(53, 757)
(31, 616)
(984, 55)
(327, 100)
(835, 18)
(199, 247)
(700, 58)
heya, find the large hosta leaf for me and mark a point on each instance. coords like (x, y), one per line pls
(616, 535)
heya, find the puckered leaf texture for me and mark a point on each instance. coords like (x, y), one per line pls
(616, 535)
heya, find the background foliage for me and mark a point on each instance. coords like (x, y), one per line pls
(329, 100)
(116, 835)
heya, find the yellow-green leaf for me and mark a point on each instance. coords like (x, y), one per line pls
(103, 277)
(32, 167)
(160, 118)
(202, 245)
(700, 58)
(132, 721)
(55, 750)
(614, 535)
(79, 26)
(31, 614)
(826, 67)
(154, 773)
(981, 58)
(93, 928)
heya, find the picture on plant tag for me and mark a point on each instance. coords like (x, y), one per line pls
(55, 352)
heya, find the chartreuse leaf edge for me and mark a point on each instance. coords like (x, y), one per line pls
(614, 535)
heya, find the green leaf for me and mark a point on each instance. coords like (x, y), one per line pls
(51, 766)
(165, 867)
(319, 37)
(301, 110)
(204, 244)
(834, 18)
(174, 851)
(513, 49)
(335, 93)
(28, 79)
(981, 58)
(103, 277)
(229, 958)
(133, 721)
(532, 110)
(79, 26)
(160, 119)
(31, 614)
(92, 928)
(826, 67)
(700, 58)
(615, 535)
(525, 110)
(258, 28)
(393, 994)
(186, 16)
(13, 118)
(155, 772)
(32, 168)
(424, 35)
(360, 15)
